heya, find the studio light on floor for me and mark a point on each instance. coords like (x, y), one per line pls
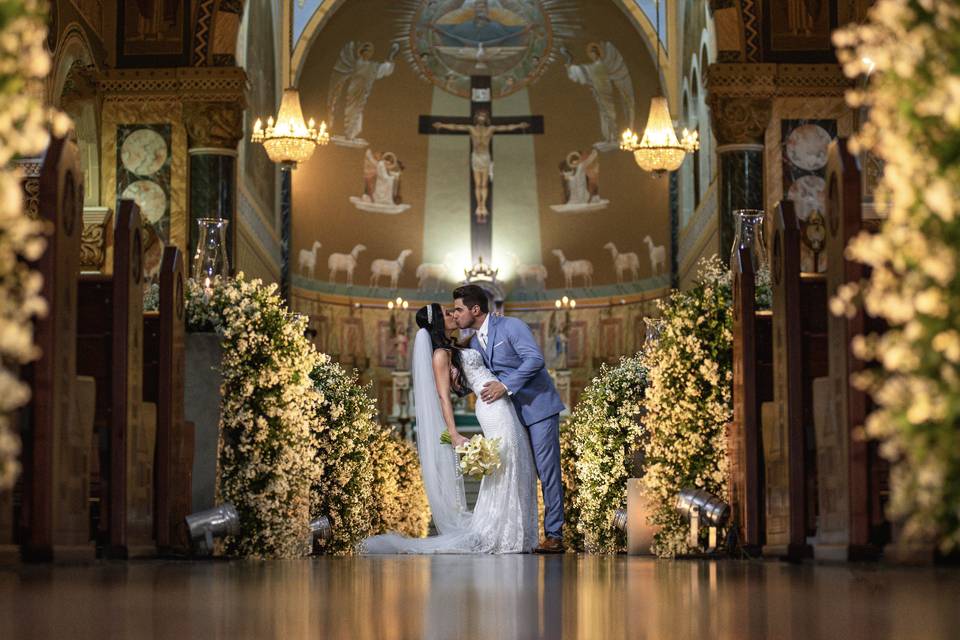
(701, 507)
(620, 520)
(321, 529)
(206, 525)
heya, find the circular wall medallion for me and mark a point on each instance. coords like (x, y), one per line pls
(508, 40)
(807, 147)
(143, 152)
(150, 197)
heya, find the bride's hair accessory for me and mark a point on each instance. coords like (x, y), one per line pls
(430, 313)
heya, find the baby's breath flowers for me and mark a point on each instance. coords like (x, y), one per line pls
(907, 55)
(688, 400)
(25, 126)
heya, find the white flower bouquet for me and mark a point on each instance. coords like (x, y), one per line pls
(479, 456)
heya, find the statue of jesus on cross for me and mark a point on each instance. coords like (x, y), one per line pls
(481, 162)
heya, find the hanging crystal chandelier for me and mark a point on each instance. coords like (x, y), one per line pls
(659, 150)
(288, 141)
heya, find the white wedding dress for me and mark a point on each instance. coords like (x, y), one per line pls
(504, 519)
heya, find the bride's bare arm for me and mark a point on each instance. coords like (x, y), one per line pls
(441, 374)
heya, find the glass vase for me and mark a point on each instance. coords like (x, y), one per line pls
(211, 258)
(750, 235)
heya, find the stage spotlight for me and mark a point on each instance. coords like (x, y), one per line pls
(206, 525)
(321, 529)
(702, 507)
(620, 520)
(712, 510)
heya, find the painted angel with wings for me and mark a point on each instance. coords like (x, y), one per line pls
(607, 75)
(353, 76)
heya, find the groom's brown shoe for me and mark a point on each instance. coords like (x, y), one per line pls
(551, 545)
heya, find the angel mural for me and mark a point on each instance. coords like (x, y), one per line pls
(607, 75)
(581, 183)
(353, 76)
(381, 184)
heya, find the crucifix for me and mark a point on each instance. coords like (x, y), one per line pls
(481, 126)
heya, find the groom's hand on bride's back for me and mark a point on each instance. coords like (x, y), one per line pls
(493, 391)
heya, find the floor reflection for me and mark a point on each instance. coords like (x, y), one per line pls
(477, 597)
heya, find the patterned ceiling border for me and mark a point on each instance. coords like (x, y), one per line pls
(185, 83)
(747, 80)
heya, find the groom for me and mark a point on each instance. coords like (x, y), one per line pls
(511, 353)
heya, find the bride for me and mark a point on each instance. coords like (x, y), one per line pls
(505, 517)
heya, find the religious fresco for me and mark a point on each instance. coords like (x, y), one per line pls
(260, 63)
(153, 33)
(511, 40)
(350, 84)
(805, 144)
(143, 175)
(456, 176)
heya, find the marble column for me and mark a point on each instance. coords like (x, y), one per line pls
(740, 186)
(739, 125)
(286, 230)
(213, 132)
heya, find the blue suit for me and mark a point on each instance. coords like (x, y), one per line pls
(512, 354)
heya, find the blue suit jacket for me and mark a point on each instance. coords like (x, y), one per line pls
(513, 356)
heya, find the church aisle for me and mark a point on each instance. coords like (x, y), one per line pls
(477, 597)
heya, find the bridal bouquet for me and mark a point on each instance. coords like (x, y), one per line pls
(479, 456)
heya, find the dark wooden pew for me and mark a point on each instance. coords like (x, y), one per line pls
(752, 386)
(53, 522)
(852, 476)
(799, 356)
(163, 379)
(110, 349)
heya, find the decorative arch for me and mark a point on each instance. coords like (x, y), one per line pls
(72, 88)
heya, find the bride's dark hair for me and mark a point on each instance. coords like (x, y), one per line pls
(434, 324)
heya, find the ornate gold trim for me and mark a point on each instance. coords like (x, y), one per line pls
(216, 84)
(749, 80)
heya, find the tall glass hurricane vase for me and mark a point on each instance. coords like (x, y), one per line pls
(750, 235)
(211, 258)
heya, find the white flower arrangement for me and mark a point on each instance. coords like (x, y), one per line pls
(266, 460)
(688, 401)
(344, 434)
(605, 428)
(398, 487)
(24, 122)
(907, 55)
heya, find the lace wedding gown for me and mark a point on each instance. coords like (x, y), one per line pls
(504, 519)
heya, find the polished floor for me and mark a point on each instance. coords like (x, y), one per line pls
(491, 598)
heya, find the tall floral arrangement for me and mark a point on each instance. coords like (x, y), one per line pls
(265, 462)
(688, 400)
(401, 499)
(603, 435)
(907, 55)
(24, 121)
(344, 433)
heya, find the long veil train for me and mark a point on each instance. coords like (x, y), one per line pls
(438, 462)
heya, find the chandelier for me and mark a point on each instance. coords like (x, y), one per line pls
(481, 272)
(288, 141)
(659, 150)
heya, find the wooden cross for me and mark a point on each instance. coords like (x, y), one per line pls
(481, 214)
